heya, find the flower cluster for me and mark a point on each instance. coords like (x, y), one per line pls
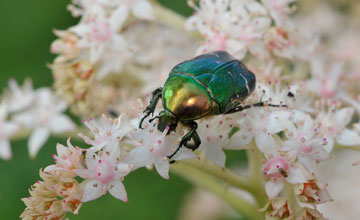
(98, 56)
(240, 27)
(310, 104)
(24, 110)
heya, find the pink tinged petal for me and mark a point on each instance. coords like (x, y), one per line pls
(61, 123)
(216, 154)
(116, 188)
(273, 187)
(184, 154)
(143, 9)
(93, 189)
(5, 150)
(37, 140)
(162, 167)
(348, 138)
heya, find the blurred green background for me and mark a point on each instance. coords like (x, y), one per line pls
(26, 35)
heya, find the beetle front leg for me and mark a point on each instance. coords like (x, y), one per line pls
(260, 104)
(191, 134)
(151, 107)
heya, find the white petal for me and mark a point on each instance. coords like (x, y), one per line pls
(93, 189)
(5, 150)
(348, 138)
(123, 169)
(142, 9)
(162, 167)
(216, 154)
(37, 140)
(61, 123)
(266, 144)
(184, 154)
(9, 128)
(344, 115)
(273, 188)
(278, 121)
(118, 18)
(330, 144)
(140, 156)
(297, 174)
(116, 188)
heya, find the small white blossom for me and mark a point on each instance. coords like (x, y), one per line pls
(332, 123)
(44, 117)
(106, 133)
(104, 173)
(153, 147)
(215, 136)
(19, 98)
(7, 129)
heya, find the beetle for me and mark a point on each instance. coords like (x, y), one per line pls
(209, 84)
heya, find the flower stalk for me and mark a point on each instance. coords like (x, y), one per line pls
(208, 182)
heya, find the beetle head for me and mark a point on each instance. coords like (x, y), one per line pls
(167, 119)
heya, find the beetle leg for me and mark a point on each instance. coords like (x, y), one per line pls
(260, 104)
(157, 93)
(196, 144)
(191, 134)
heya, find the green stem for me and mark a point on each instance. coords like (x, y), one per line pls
(172, 19)
(208, 182)
(220, 172)
(256, 179)
(354, 148)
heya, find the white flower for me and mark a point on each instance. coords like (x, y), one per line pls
(277, 208)
(260, 124)
(304, 139)
(104, 173)
(139, 8)
(153, 147)
(235, 26)
(279, 10)
(312, 192)
(7, 129)
(44, 117)
(100, 34)
(109, 132)
(68, 158)
(332, 123)
(19, 98)
(326, 80)
(215, 136)
(279, 169)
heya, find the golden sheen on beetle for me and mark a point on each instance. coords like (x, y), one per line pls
(207, 85)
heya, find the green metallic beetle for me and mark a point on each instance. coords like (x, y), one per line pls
(209, 84)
